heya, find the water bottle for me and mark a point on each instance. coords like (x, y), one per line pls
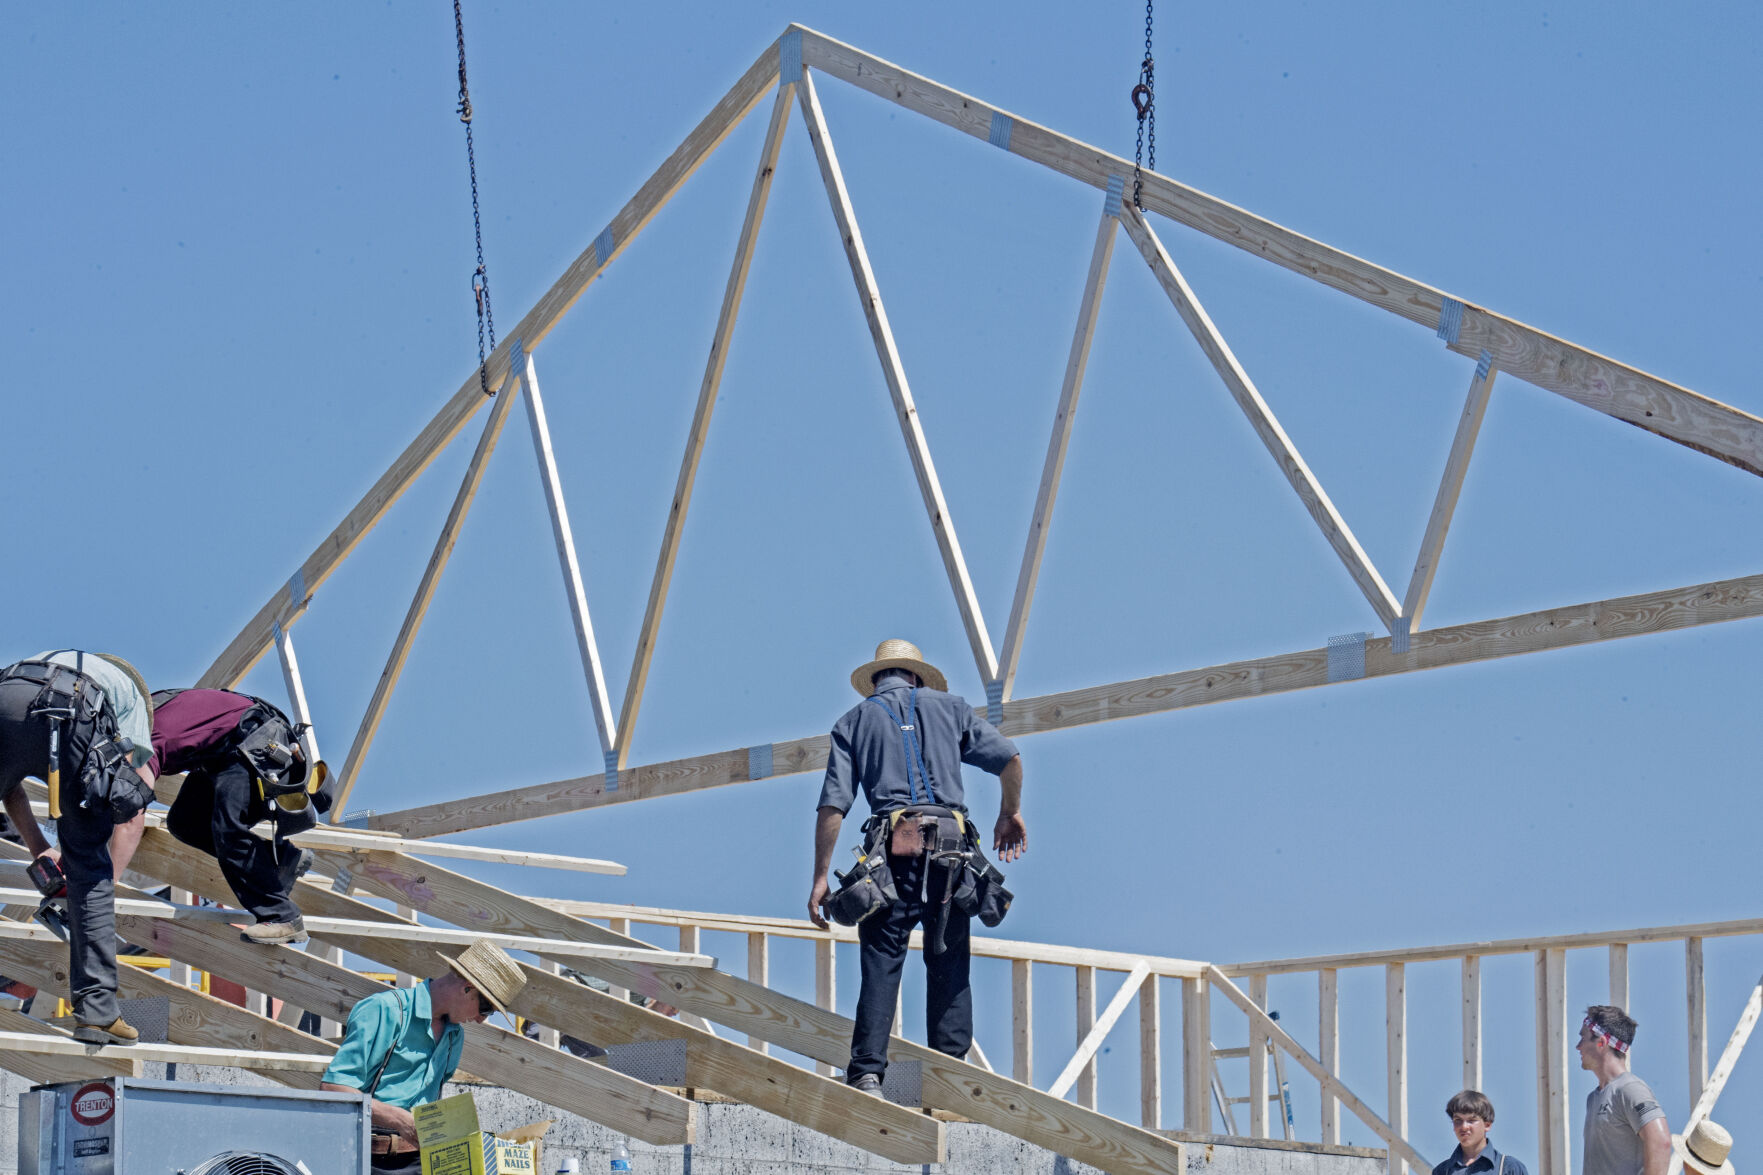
(570, 1165)
(621, 1159)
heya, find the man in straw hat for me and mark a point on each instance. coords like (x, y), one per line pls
(401, 1045)
(83, 723)
(243, 765)
(1625, 1130)
(903, 745)
(1704, 1149)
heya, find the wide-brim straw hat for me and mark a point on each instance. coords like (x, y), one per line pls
(134, 676)
(497, 977)
(897, 654)
(1705, 1149)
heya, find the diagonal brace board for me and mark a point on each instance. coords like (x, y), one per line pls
(425, 594)
(1248, 397)
(910, 426)
(700, 426)
(1086, 1049)
(1438, 524)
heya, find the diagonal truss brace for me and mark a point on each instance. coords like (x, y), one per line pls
(889, 354)
(619, 750)
(1426, 564)
(1309, 490)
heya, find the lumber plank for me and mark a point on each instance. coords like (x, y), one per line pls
(1248, 397)
(1399, 1147)
(700, 426)
(1257, 1061)
(796, 1025)
(47, 1070)
(1696, 1007)
(338, 838)
(244, 650)
(55, 1046)
(1735, 1044)
(1150, 1055)
(1594, 380)
(1618, 975)
(1196, 1055)
(563, 538)
(1396, 1052)
(1096, 1029)
(821, 1104)
(1444, 506)
(424, 596)
(1483, 640)
(894, 371)
(1053, 468)
(1022, 1021)
(1328, 1016)
(1472, 1022)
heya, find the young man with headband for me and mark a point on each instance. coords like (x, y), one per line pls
(1625, 1129)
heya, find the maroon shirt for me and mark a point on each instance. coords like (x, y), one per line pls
(186, 728)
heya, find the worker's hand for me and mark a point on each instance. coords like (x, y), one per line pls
(817, 899)
(53, 852)
(404, 1124)
(1010, 836)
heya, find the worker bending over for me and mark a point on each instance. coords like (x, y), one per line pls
(240, 754)
(82, 722)
(402, 1044)
(903, 745)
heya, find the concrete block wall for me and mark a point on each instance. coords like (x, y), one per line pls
(740, 1140)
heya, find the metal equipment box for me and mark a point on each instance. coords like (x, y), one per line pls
(129, 1126)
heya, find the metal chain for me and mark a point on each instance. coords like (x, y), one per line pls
(480, 278)
(1144, 104)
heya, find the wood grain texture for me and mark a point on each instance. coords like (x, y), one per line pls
(1735, 1046)
(1463, 644)
(1196, 1055)
(700, 426)
(1328, 1016)
(251, 642)
(48, 1070)
(1594, 380)
(1248, 397)
(1471, 1022)
(1150, 1055)
(1444, 506)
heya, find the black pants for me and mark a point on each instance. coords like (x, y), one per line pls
(948, 1005)
(214, 812)
(85, 847)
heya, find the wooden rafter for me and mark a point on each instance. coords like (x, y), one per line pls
(1554, 628)
(911, 428)
(1248, 397)
(700, 427)
(1438, 523)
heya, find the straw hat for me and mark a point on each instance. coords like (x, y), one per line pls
(1705, 1149)
(897, 654)
(134, 676)
(496, 977)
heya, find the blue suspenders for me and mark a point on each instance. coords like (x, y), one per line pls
(909, 737)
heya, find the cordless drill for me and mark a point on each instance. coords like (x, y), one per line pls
(45, 873)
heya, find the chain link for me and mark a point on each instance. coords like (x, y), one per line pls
(1144, 104)
(480, 278)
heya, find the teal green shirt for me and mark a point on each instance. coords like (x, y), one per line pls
(419, 1064)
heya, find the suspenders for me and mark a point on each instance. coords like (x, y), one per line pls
(909, 738)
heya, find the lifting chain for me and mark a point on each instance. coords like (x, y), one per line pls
(480, 278)
(1144, 104)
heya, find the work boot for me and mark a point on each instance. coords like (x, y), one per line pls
(275, 933)
(868, 1083)
(118, 1031)
(306, 860)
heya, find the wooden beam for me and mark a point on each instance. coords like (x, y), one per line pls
(56, 1046)
(1444, 506)
(563, 538)
(1022, 1021)
(1257, 1061)
(302, 713)
(1053, 468)
(1328, 1015)
(700, 427)
(1395, 994)
(1242, 389)
(419, 603)
(796, 1025)
(1463, 644)
(1593, 380)
(350, 839)
(1196, 1055)
(1696, 999)
(1095, 1029)
(1560, 1111)
(1399, 1147)
(1619, 975)
(869, 294)
(1472, 1022)
(244, 650)
(1735, 1045)
(759, 972)
(1150, 1055)
(48, 1070)
(826, 978)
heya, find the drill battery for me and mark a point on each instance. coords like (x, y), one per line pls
(45, 873)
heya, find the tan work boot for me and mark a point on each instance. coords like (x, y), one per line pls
(275, 933)
(118, 1031)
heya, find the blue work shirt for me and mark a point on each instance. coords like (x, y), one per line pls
(1489, 1160)
(869, 750)
(419, 1065)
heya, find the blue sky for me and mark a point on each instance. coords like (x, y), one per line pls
(238, 283)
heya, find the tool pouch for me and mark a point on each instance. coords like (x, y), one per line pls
(992, 900)
(266, 743)
(866, 890)
(110, 784)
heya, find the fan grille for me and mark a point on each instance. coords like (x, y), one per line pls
(247, 1163)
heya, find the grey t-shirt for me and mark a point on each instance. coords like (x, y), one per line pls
(1614, 1115)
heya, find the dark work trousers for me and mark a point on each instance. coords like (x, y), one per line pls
(85, 847)
(948, 1004)
(214, 812)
